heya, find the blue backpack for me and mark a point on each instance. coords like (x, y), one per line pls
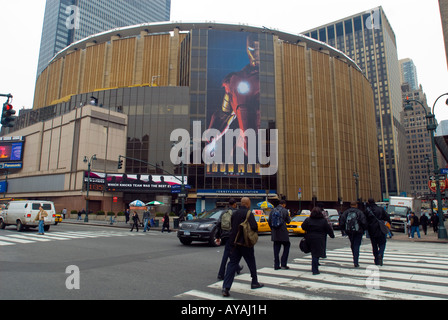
(277, 219)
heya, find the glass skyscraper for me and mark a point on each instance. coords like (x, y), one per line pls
(68, 21)
(368, 39)
(409, 73)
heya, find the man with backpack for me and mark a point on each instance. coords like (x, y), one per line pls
(278, 219)
(238, 251)
(224, 229)
(354, 223)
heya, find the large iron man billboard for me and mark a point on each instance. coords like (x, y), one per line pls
(233, 99)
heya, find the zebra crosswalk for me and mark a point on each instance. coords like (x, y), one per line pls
(14, 238)
(407, 274)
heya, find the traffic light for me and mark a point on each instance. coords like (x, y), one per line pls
(120, 163)
(8, 115)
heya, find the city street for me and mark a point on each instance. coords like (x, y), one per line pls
(116, 264)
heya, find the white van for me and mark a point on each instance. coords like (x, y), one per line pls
(23, 214)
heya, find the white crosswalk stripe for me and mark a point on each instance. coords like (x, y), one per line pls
(405, 275)
(13, 238)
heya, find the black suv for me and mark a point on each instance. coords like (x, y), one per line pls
(202, 229)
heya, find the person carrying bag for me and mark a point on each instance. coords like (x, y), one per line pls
(376, 217)
(243, 237)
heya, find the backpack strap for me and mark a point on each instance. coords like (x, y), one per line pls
(248, 215)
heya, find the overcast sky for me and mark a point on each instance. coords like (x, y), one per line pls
(416, 24)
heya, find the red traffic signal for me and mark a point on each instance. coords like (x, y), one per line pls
(8, 115)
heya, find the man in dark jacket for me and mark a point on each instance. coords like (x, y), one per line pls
(415, 225)
(353, 222)
(376, 215)
(280, 236)
(224, 236)
(237, 252)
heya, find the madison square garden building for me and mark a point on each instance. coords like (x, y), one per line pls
(126, 92)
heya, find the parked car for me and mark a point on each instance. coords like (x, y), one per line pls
(203, 229)
(295, 226)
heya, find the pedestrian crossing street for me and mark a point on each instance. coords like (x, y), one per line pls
(11, 238)
(407, 274)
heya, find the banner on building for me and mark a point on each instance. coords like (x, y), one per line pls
(139, 183)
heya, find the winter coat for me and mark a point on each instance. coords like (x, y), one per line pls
(281, 233)
(414, 221)
(135, 218)
(238, 217)
(316, 235)
(373, 224)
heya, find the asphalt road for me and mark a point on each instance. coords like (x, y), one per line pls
(115, 264)
(130, 266)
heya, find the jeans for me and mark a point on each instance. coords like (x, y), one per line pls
(145, 224)
(355, 243)
(284, 259)
(41, 226)
(236, 253)
(413, 229)
(378, 248)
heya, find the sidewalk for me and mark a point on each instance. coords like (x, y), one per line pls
(431, 236)
(118, 224)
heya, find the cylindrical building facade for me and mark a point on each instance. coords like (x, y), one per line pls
(200, 76)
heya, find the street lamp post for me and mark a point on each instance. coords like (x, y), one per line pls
(356, 176)
(431, 127)
(429, 175)
(89, 162)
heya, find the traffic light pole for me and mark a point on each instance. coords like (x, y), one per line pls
(9, 96)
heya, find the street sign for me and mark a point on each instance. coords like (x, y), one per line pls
(433, 185)
(299, 194)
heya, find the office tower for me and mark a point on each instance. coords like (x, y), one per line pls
(418, 143)
(68, 21)
(368, 39)
(408, 73)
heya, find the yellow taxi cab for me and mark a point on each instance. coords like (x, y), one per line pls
(295, 226)
(262, 221)
(57, 218)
